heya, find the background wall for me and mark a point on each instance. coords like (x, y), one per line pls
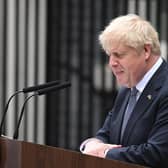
(43, 41)
(22, 64)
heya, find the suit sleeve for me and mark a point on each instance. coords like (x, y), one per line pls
(103, 133)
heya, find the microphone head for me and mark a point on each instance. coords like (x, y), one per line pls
(40, 86)
(54, 88)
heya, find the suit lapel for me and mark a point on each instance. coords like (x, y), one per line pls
(146, 98)
(141, 106)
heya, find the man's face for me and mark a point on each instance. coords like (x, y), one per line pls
(128, 65)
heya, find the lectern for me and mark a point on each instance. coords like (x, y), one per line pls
(21, 154)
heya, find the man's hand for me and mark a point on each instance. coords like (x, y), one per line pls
(98, 148)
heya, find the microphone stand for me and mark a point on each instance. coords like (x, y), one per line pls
(39, 92)
(26, 90)
(16, 133)
(6, 109)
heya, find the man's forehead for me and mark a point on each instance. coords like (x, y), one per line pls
(117, 47)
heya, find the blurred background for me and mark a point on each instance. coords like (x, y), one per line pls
(43, 41)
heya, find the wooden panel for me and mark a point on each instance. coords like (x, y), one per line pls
(18, 154)
(10, 153)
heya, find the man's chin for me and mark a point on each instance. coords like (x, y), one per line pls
(122, 83)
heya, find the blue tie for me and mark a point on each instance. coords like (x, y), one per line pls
(129, 109)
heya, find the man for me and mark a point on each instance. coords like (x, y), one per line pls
(138, 135)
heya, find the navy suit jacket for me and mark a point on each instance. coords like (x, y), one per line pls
(145, 140)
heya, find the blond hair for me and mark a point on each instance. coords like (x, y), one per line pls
(130, 30)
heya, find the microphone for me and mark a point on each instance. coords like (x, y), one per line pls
(25, 90)
(38, 93)
(41, 86)
(54, 88)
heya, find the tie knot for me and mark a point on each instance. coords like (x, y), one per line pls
(134, 91)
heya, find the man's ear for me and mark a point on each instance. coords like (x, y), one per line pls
(147, 50)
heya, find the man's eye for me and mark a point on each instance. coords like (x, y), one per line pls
(119, 55)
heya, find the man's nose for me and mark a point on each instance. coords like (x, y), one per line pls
(113, 61)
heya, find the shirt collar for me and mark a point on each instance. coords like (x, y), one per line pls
(141, 85)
